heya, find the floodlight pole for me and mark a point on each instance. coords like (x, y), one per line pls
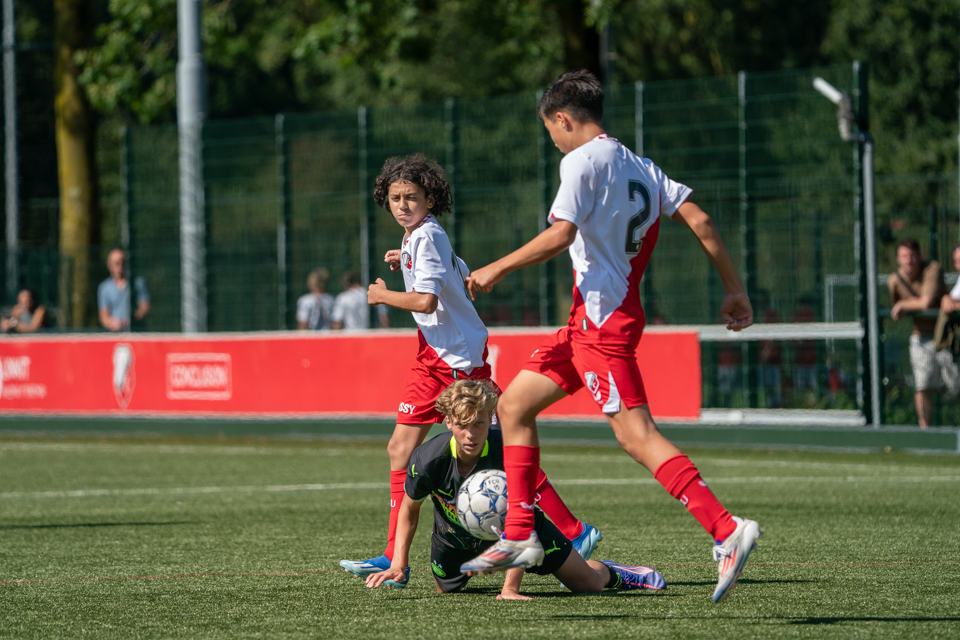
(11, 173)
(845, 120)
(191, 110)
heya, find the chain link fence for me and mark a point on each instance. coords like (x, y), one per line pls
(287, 194)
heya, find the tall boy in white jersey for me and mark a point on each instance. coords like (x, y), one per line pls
(607, 211)
(453, 340)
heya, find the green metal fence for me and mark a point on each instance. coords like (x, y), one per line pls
(286, 194)
(290, 193)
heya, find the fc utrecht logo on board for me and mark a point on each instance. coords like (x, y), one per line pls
(199, 376)
(124, 374)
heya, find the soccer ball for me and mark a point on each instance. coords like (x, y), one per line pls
(482, 503)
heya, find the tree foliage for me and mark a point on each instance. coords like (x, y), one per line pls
(912, 48)
(266, 56)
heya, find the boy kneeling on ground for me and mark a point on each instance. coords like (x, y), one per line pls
(441, 465)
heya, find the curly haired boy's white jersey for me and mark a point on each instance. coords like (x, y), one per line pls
(454, 332)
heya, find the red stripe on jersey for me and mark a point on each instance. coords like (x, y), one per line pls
(628, 321)
(428, 356)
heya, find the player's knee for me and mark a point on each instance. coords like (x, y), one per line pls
(511, 409)
(399, 450)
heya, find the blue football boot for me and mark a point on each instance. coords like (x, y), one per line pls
(374, 565)
(636, 577)
(586, 543)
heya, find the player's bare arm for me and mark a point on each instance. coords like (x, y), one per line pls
(407, 521)
(544, 246)
(377, 293)
(736, 308)
(511, 586)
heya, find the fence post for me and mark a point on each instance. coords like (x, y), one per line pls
(638, 116)
(547, 268)
(125, 198)
(283, 222)
(450, 166)
(933, 215)
(748, 263)
(367, 220)
(11, 161)
(646, 282)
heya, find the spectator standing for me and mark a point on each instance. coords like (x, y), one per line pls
(915, 287)
(26, 316)
(350, 309)
(113, 295)
(315, 309)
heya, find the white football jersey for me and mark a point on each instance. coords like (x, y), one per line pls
(615, 198)
(429, 265)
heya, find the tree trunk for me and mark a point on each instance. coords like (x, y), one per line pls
(75, 166)
(581, 44)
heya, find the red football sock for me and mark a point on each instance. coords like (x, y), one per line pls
(681, 479)
(397, 479)
(521, 464)
(552, 505)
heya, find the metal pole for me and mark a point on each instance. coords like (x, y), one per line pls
(191, 111)
(454, 228)
(12, 181)
(646, 282)
(870, 236)
(638, 116)
(125, 189)
(366, 241)
(747, 245)
(283, 222)
(546, 268)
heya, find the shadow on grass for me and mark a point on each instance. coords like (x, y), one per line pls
(842, 619)
(9, 527)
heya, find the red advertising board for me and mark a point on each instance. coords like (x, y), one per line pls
(285, 374)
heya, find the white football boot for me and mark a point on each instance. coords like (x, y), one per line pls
(733, 554)
(507, 554)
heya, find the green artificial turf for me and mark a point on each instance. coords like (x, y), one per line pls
(159, 537)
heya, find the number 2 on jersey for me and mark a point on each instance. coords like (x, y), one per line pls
(634, 241)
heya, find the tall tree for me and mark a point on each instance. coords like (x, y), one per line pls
(79, 212)
(911, 46)
(266, 56)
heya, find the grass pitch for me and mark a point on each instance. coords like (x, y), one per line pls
(141, 537)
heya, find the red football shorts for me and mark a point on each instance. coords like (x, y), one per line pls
(609, 371)
(424, 386)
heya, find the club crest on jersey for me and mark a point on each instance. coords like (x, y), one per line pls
(593, 384)
(406, 260)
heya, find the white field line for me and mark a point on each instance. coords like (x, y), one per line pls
(347, 486)
(108, 447)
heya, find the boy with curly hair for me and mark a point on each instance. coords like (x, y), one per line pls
(453, 339)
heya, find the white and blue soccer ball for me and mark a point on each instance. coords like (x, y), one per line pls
(482, 503)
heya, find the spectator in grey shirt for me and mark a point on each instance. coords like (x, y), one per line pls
(113, 295)
(350, 309)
